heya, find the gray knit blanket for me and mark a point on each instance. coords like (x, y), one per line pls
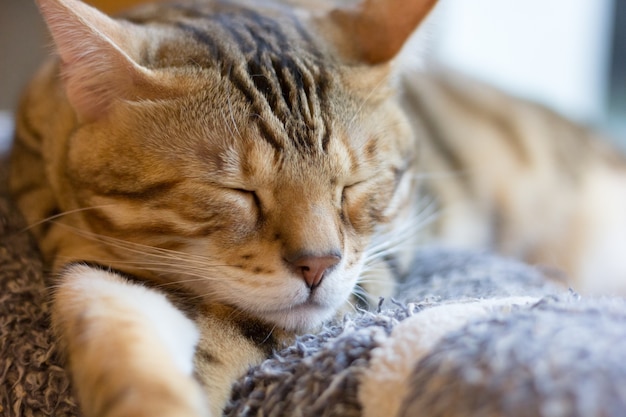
(469, 334)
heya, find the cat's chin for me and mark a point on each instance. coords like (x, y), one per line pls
(309, 313)
(301, 318)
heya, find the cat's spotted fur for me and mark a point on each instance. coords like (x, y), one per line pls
(243, 159)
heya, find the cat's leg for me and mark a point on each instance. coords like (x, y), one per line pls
(130, 350)
(230, 344)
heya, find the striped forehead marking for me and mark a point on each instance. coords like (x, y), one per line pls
(275, 65)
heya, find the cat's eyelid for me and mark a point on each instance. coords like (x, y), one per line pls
(244, 190)
(364, 178)
(359, 176)
(251, 193)
(354, 183)
(240, 189)
(398, 172)
(237, 186)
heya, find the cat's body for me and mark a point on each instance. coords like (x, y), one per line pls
(512, 176)
(251, 163)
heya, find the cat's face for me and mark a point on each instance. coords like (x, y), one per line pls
(254, 172)
(192, 176)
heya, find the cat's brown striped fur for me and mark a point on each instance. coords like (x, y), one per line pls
(513, 176)
(199, 162)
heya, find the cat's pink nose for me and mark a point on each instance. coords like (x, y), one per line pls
(313, 268)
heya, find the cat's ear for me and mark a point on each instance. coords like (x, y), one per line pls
(96, 56)
(374, 31)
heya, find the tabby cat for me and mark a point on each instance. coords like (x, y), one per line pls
(208, 178)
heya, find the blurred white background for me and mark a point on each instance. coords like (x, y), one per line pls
(559, 52)
(553, 51)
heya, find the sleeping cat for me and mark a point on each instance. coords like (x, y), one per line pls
(208, 178)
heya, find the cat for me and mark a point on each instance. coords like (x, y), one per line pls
(528, 183)
(207, 179)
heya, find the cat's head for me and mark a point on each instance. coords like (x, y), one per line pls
(248, 152)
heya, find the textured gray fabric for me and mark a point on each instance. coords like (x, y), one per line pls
(562, 358)
(319, 374)
(441, 274)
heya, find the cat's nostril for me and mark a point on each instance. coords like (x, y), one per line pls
(313, 268)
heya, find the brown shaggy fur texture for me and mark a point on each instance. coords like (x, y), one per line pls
(32, 379)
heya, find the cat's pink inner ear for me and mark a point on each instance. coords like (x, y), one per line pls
(377, 29)
(95, 51)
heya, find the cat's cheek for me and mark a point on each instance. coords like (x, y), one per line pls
(239, 220)
(363, 214)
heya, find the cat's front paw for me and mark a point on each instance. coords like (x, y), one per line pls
(178, 399)
(129, 348)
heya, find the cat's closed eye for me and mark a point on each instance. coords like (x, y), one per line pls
(251, 196)
(244, 199)
(350, 189)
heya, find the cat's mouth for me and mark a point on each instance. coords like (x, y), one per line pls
(313, 303)
(293, 305)
(300, 317)
(305, 313)
(309, 304)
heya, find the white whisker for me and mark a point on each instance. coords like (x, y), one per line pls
(63, 214)
(141, 249)
(230, 110)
